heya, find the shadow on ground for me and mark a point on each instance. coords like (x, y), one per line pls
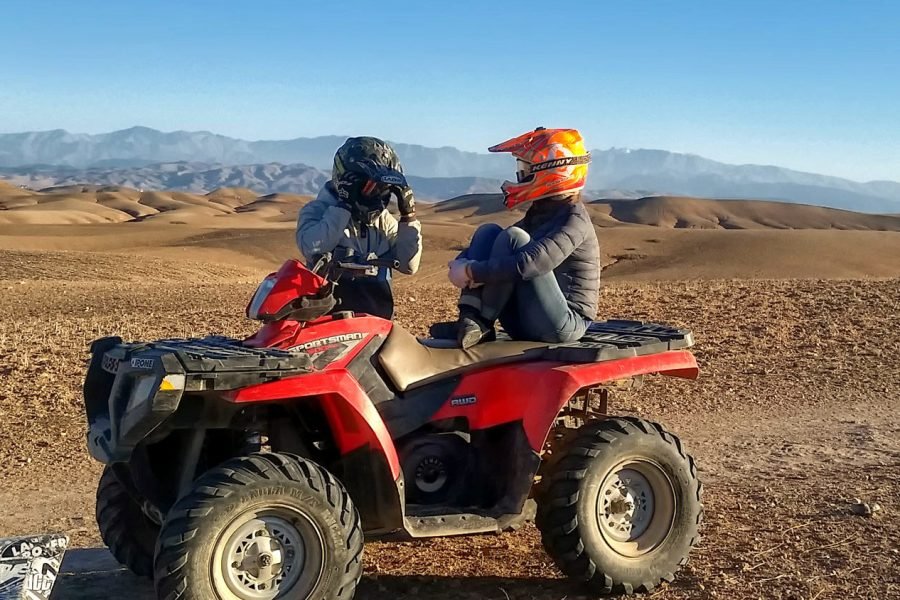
(92, 573)
(89, 573)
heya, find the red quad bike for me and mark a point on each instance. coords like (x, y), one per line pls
(253, 469)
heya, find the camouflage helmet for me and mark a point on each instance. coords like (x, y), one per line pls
(357, 152)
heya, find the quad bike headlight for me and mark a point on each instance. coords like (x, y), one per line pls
(262, 292)
(143, 391)
(146, 388)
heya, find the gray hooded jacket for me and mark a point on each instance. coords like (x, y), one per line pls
(324, 225)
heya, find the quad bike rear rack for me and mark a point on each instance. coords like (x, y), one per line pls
(617, 338)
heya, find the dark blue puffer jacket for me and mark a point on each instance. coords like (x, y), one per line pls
(563, 240)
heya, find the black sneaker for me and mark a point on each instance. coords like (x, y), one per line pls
(472, 331)
(467, 331)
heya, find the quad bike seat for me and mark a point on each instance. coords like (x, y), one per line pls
(410, 362)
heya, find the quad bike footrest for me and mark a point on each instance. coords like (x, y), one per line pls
(433, 521)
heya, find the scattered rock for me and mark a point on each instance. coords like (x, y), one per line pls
(862, 509)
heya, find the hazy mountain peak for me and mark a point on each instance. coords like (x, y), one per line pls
(612, 169)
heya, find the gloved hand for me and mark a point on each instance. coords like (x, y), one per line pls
(394, 182)
(348, 188)
(361, 196)
(406, 202)
(459, 274)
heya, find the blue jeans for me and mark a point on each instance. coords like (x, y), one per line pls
(528, 310)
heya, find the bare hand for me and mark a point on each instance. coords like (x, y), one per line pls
(458, 274)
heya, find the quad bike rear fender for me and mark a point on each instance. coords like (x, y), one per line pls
(534, 393)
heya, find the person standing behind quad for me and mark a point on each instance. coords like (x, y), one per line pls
(349, 217)
(540, 277)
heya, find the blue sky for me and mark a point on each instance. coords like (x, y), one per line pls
(808, 85)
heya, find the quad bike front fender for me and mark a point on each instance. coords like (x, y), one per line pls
(354, 420)
(534, 393)
(369, 466)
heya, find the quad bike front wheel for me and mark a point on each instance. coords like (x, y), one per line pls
(124, 527)
(622, 508)
(261, 527)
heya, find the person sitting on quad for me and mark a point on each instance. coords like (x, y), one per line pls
(540, 277)
(349, 219)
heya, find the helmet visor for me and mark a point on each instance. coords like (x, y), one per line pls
(375, 195)
(523, 171)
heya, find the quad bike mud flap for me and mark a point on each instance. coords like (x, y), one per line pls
(29, 566)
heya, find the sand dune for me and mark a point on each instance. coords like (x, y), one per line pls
(12, 196)
(84, 204)
(649, 238)
(64, 210)
(697, 213)
(678, 212)
(232, 197)
(241, 207)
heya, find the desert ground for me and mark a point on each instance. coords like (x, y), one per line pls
(793, 420)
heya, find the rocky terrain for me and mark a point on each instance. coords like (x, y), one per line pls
(792, 422)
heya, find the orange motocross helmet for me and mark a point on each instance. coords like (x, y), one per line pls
(549, 162)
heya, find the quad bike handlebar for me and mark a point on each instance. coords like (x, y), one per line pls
(329, 264)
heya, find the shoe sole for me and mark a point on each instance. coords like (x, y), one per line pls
(473, 338)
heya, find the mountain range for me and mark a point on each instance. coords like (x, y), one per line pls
(203, 177)
(200, 161)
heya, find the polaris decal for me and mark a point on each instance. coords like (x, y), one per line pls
(335, 339)
(329, 350)
(463, 401)
(142, 363)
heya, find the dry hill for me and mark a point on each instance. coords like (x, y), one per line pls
(679, 212)
(699, 213)
(647, 238)
(242, 207)
(224, 207)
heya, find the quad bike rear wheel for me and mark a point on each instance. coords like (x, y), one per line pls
(261, 527)
(622, 507)
(124, 527)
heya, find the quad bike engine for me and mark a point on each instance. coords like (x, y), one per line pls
(436, 467)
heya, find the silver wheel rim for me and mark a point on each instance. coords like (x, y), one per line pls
(635, 507)
(266, 554)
